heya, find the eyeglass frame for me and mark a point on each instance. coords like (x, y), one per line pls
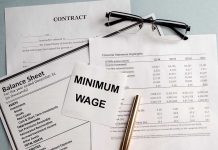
(140, 21)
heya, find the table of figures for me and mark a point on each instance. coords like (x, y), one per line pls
(174, 89)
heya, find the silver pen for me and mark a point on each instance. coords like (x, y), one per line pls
(130, 124)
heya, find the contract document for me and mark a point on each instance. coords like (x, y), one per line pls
(177, 82)
(37, 33)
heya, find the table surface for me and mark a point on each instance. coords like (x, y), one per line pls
(200, 14)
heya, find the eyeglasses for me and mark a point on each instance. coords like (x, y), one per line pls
(179, 28)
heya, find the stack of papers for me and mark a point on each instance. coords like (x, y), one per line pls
(43, 32)
(81, 100)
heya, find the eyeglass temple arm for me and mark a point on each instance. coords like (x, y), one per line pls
(123, 29)
(182, 36)
(114, 22)
(125, 17)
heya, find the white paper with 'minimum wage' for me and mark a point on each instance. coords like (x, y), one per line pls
(94, 94)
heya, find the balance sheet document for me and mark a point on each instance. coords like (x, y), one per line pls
(177, 82)
(31, 102)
